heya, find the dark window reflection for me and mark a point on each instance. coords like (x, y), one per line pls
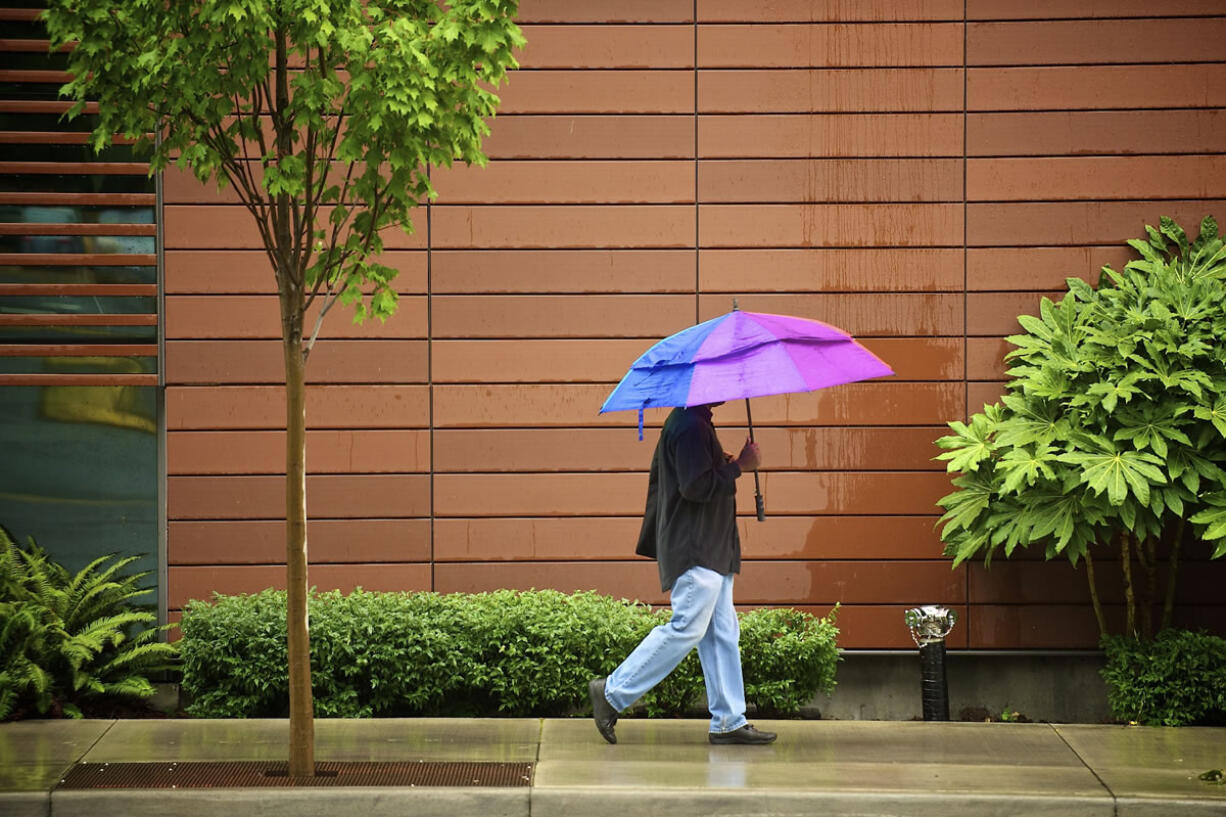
(39, 240)
(85, 306)
(80, 470)
(78, 464)
(77, 274)
(74, 149)
(79, 365)
(75, 182)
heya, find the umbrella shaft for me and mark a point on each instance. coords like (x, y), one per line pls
(757, 487)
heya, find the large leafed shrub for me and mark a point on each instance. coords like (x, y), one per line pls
(1112, 436)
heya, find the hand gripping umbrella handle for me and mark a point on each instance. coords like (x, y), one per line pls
(759, 502)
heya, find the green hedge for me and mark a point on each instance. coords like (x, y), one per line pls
(501, 653)
(1176, 679)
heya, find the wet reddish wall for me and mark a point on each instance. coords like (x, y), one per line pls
(918, 172)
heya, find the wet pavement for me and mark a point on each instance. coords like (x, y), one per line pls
(827, 768)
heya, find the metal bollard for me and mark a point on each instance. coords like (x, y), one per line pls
(929, 625)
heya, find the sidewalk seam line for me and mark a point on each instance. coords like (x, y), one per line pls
(1115, 800)
(536, 766)
(80, 758)
(97, 740)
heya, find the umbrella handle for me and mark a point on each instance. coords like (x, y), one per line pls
(759, 502)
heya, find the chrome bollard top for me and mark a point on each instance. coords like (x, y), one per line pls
(929, 624)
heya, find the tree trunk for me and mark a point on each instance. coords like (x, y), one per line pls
(301, 705)
(1172, 576)
(290, 287)
(1130, 596)
(1094, 600)
(1147, 556)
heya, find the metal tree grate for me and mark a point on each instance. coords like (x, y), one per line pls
(257, 774)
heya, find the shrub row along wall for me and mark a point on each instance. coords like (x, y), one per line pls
(918, 172)
(502, 653)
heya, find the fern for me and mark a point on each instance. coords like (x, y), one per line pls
(22, 629)
(67, 639)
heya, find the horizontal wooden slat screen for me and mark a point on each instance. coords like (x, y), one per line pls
(78, 262)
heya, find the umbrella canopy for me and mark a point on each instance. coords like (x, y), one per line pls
(742, 355)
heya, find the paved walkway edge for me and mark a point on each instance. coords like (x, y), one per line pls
(1154, 807)
(554, 802)
(831, 768)
(312, 802)
(25, 804)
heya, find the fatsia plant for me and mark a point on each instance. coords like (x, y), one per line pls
(1112, 434)
(325, 117)
(67, 638)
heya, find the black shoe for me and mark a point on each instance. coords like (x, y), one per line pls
(746, 735)
(602, 711)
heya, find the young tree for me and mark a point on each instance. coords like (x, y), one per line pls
(1113, 431)
(325, 116)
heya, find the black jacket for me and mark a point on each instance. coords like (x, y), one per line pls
(690, 518)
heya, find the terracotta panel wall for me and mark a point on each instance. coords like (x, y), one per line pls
(916, 171)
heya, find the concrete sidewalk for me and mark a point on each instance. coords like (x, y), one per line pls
(658, 767)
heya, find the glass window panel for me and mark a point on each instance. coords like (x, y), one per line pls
(29, 60)
(47, 122)
(43, 91)
(77, 305)
(137, 244)
(78, 334)
(48, 152)
(24, 29)
(75, 183)
(81, 214)
(42, 243)
(10, 274)
(80, 470)
(78, 365)
(42, 214)
(80, 463)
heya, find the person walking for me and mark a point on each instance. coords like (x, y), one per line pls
(690, 529)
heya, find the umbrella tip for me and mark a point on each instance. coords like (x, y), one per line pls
(735, 306)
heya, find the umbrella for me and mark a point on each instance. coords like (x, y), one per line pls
(741, 355)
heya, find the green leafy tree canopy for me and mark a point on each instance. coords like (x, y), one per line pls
(324, 115)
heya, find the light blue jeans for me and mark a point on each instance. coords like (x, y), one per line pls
(703, 617)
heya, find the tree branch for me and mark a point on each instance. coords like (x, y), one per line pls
(1172, 575)
(362, 250)
(283, 207)
(316, 190)
(1130, 599)
(1147, 558)
(1094, 600)
(325, 275)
